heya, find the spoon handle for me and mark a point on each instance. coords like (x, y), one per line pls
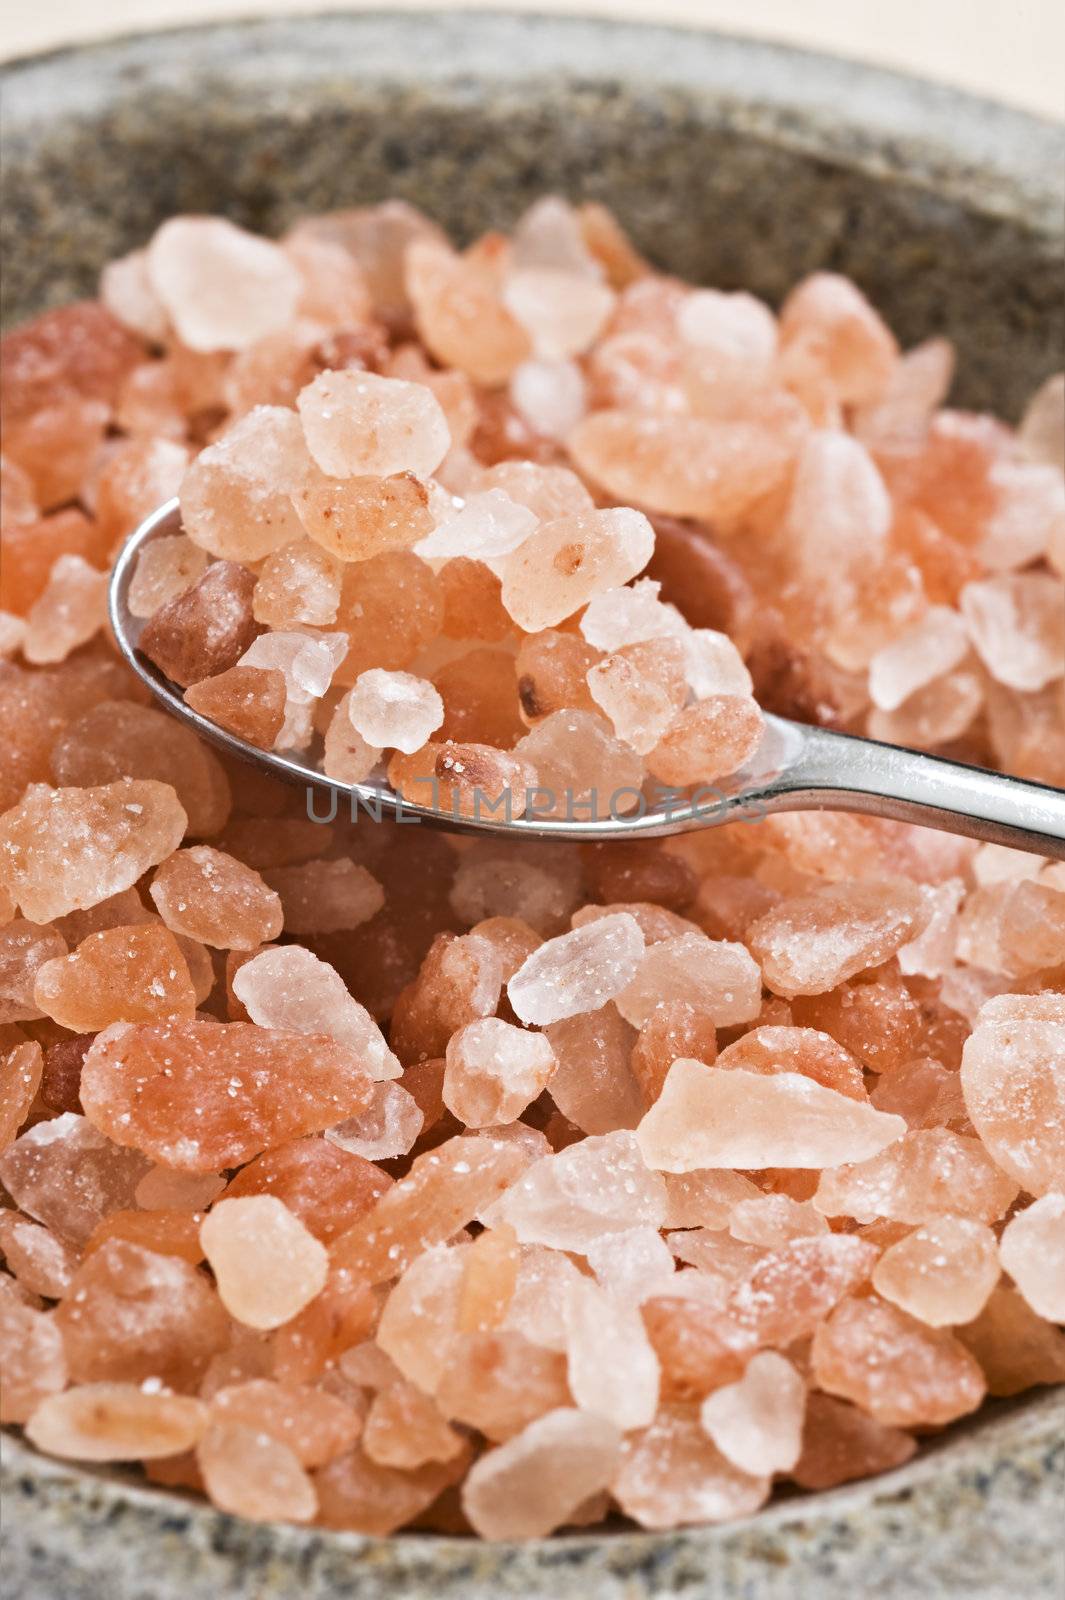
(852, 774)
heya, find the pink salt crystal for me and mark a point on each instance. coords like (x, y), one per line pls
(537, 1305)
(251, 1474)
(1015, 1347)
(926, 1093)
(840, 1443)
(582, 769)
(805, 1050)
(897, 1369)
(222, 287)
(829, 319)
(460, 315)
(494, 1071)
(671, 1475)
(625, 1388)
(20, 1078)
(12, 634)
(713, 665)
(498, 1382)
(1016, 622)
(710, 974)
(534, 1483)
(593, 1083)
(31, 1355)
(929, 1172)
(1032, 1251)
(487, 526)
(933, 646)
(934, 715)
(166, 567)
(634, 614)
(290, 988)
(757, 1422)
(116, 1422)
(126, 290)
(705, 1198)
(931, 954)
(315, 1425)
(24, 949)
(773, 1220)
(639, 709)
(549, 396)
(404, 1429)
(357, 1493)
(214, 898)
(42, 1262)
(595, 1187)
(387, 1128)
(166, 1189)
(359, 424)
(68, 1175)
(1013, 928)
(419, 1325)
(204, 630)
(707, 740)
(1041, 434)
(70, 611)
(267, 1265)
(298, 585)
(539, 884)
(705, 1117)
(394, 710)
(1013, 1080)
(549, 492)
(942, 1273)
(899, 419)
(247, 701)
(578, 971)
(564, 563)
(814, 941)
(135, 974)
(236, 497)
(345, 754)
(839, 514)
(563, 312)
(730, 344)
(118, 740)
(550, 234)
(326, 896)
(252, 1088)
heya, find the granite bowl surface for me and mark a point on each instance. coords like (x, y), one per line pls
(731, 162)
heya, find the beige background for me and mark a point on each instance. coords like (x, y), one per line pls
(1013, 50)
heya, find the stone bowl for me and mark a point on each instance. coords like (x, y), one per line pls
(731, 162)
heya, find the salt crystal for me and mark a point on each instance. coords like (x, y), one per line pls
(266, 1263)
(632, 1266)
(713, 665)
(578, 971)
(394, 710)
(164, 1189)
(135, 974)
(326, 896)
(840, 1443)
(774, 1220)
(599, 1186)
(222, 287)
(709, 1118)
(357, 423)
(942, 1273)
(757, 1422)
(404, 1429)
(534, 1483)
(39, 1259)
(205, 629)
(247, 701)
(639, 709)
(804, 1050)
(1014, 1085)
(813, 942)
(582, 768)
(1032, 1251)
(671, 1475)
(290, 988)
(166, 566)
(1041, 434)
(935, 645)
(929, 1172)
(551, 233)
(713, 975)
(707, 740)
(126, 290)
(731, 340)
(251, 1474)
(625, 1389)
(564, 563)
(214, 898)
(499, 1382)
(494, 1070)
(838, 504)
(298, 585)
(24, 949)
(69, 612)
(488, 525)
(387, 1128)
(32, 1349)
(346, 756)
(632, 615)
(830, 316)
(116, 1422)
(593, 1083)
(236, 497)
(1017, 626)
(20, 1079)
(898, 1370)
(1015, 1347)
(563, 312)
(461, 316)
(549, 396)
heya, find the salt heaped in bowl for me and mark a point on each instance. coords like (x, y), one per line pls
(368, 1176)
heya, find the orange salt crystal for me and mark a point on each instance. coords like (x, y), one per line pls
(472, 602)
(358, 424)
(404, 1429)
(246, 701)
(460, 315)
(674, 1028)
(671, 1474)
(498, 1382)
(355, 1492)
(75, 349)
(56, 447)
(1011, 1080)
(20, 1078)
(787, 1293)
(24, 949)
(204, 630)
(135, 974)
(534, 1483)
(707, 741)
(595, 1082)
(68, 1175)
(490, 1272)
(560, 566)
(316, 1426)
(464, 779)
(31, 1356)
(578, 971)
(326, 1187)
(355, 519)
(829, 321)
(926, 1093)
(222, 286)
(459, 981)
(553, 675)
(116, 1422)
(581, 768)
(138, 477)
(901, 1372)
(814, 941)
(390, 607)
(298, 585)
(928, 1172)
(214, 898)
(389, 1126)
(117, 739)
(237, 495)
(132, 1314)
(840, 1443)
(70, 609)
(942, 1273)
(17, 502)
(32, 549)
(878, 1021)
(1015, 1347)
(312, 1341)
(803, 1050)
(718, 978)
(41, 1262)
(494, 1070)
(757, 1422)
(597, 1186)
(166, 566)
(774, 1220)
(480, 696)
(267, 1265)
(250, 1473)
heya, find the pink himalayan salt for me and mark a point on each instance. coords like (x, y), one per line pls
(326, 896)
(118, 740)
(355, 1492)
(578, 971)
(116, 1422)
(308, 665)
(41, 1262)
(24, 949)
(757, 1422)
(21, 1070)
(933, 646)
(898, 1370)
(204, 630)
(942, 1273)
(1028, 515)
(624, 1389)
(298, 586)
(1041, 434)
(404, 1429)
(711, 974)
(814, 941)
(498, 1382)
(387, 1128)
(252, 1088)
(632, 1266)
(69, 1176)
(537, 1480)
(541, 885)
(550, 396)
(581, 768)
(214, 898)
(537, 1305)
(730, 343)
(236, 497)
(672, 1475)
(805, 1050)
(133, 974)
(563, 312)
(596, 1187)
(358, 424)
(356, 519)
(1015, 1347)
(633, 614)
(420, 1323)
(460, 314)
(785, 1294)
(57, 447)
(126, 290)
(705, 1117)
(1032, 1251)
(840, 1443)
(12, 633)
(247, 701)
(394, 710)
(31, 1354)
(290, 988)
(222, 287)
(593, 1084)
(928, 1172)
(345, 754)
(931, 954)
(315, 1425)
(899, 419)
(1013, 1080)
(707, 740)
(71, 609)
(774, 1220)
(486, 526)
(494, 1071)
(1016, 622)
(489, 1277)
(639, 709)
(552, 233)
(1013, 928)
(137, 478)
(549, 492)
(165, 1189)
(927, 1094)
(839, 513)
(459, 980)
(685, 466)
(565, 562)
(267, 1265)
(513, 940)
(828, 320)
(252, 1474)
(705, 1197)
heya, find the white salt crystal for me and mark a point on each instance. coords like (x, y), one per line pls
(387, 1128)
(222, 288)
(757, 1422)
(489, 524)
(624, 1387)
(291, 989)
(933, 646)
(578, 971)
(394, 710)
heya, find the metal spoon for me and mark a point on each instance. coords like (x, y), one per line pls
(796, 768)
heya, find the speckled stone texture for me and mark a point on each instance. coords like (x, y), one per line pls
(732, 163)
